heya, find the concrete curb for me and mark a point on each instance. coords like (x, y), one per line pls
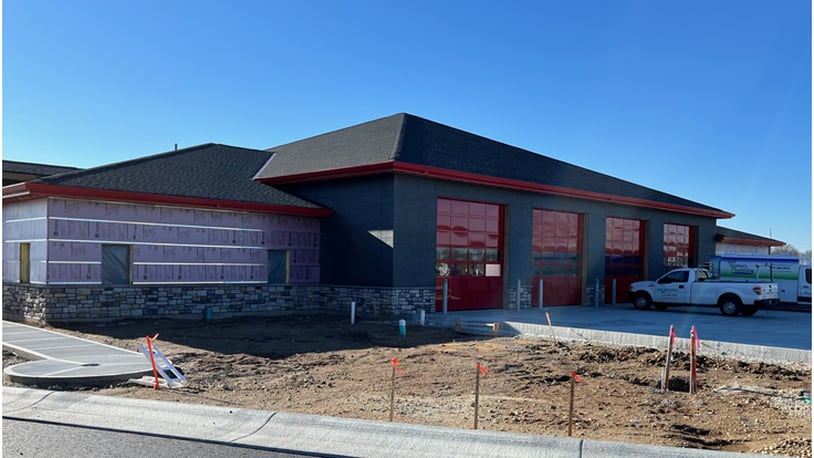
(743, 352)
(328, 436)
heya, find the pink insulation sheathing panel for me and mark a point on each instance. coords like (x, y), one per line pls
(11, 270)
(304, 256)
(178, 245)
(304, 274)
(25, 229)
(74, 251)
(193, 235)
(25, 209)
(74, 273)
(134, 213)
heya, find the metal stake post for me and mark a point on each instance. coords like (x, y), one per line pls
(445, 291)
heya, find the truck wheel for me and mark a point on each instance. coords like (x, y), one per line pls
(642, 301)
(730, 305)
(748, 310)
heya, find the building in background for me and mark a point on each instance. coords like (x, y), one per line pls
(389, 213)
(730, 241)
(18, 172)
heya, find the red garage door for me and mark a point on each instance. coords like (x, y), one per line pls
(468, 254)
(624, 255)
(556, 257)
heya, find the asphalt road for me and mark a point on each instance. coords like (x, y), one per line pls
(25, 438)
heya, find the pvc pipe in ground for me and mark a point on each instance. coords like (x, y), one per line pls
(421, 316)
(540, 293)
(353, 312)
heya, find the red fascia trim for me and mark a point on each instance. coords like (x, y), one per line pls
(45, 190)
(418, 170)
(446, 174)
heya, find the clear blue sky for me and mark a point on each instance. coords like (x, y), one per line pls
(707, 100)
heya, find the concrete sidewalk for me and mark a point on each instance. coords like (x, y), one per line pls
(322, 436)
(63, 359)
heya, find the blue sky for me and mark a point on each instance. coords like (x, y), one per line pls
(707, 100)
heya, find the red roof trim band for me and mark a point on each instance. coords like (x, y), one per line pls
(34, 190)
(434, 172)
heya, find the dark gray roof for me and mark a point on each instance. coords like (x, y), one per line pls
(209, 171)
(725, 232)
(17, 172)
(411, 139)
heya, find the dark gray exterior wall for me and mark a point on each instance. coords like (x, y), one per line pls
(407, 205)
(415, 207)
(350, 254)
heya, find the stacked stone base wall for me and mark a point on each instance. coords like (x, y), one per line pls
(46, 304)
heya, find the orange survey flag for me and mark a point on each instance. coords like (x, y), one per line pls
(482, 369)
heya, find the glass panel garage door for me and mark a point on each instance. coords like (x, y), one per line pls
(468, 254)
(624, 255)
(556, 257)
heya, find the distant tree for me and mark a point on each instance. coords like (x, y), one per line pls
(787, 250)
(790, 250)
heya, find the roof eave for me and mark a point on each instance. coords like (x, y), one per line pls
(454, 175)
(25, 191)
(749, 242)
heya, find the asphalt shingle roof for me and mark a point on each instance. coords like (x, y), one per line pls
(725, 232)
(30, 168)
(209, 171)
(411, 139)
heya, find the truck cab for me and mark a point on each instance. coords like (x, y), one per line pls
(695, 286)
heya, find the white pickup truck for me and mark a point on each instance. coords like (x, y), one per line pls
(695, 286)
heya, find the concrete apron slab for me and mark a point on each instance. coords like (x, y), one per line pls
(64, 359)
(588, 324)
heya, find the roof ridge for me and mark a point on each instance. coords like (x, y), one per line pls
(398, 143)
(126, 162)
(335, 131)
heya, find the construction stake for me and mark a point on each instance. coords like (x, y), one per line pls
(550, 328)
(395, 363)
(693, 372)
(479, 369)
(152, 359)
(574, 379)
(665, 379)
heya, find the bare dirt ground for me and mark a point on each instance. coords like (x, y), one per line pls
(325, 366)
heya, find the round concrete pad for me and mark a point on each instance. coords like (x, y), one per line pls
(52, 372)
